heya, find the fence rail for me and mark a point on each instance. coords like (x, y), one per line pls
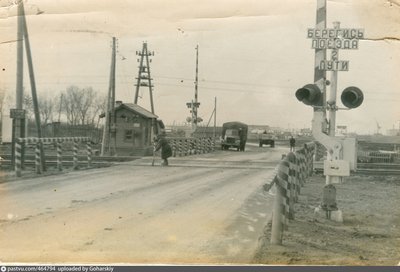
(38, 142)
(190, 146)
(292, 174)
(378, 157)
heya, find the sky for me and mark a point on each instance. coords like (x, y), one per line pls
(253, 55)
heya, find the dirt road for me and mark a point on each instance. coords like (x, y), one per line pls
(207, 208)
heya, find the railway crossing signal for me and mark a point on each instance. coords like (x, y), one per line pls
(310, 95)
(352, 97)
(340, 152)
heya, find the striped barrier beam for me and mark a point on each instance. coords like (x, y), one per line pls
(34, 140)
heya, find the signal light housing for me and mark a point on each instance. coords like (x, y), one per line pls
(352, 97)
(310, 95)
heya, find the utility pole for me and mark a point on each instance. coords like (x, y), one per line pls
(110, 105)
(18, 120)
(144, 77)
(33, 86)
(215, 117)
(18, 114)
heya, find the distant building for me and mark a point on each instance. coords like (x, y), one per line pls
(393, 132)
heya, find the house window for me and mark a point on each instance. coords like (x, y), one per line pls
(128, 135)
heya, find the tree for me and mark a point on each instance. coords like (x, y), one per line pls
(81, 106)
(71, 104)
(46, 109)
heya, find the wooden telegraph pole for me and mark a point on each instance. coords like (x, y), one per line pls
(106, 141)
(18, 114)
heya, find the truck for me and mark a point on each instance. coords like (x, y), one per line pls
(234, 135)
(266, 139)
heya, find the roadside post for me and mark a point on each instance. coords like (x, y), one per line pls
(341, 152)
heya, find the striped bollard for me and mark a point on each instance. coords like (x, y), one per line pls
(291, 188)
(306, 161)
(59, 156)
(201, 146)
(180, 147)
(37, 159)
(304, 166)
(281, 206)
(173, 143)
(89, 153)
(284, 182)
(312, 160)
(18, 158)
(75, 156)
(293, 181)
(301, 167)
(194, 146)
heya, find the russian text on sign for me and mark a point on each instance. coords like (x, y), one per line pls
(334, 44)
(334, 65)
(331, 33)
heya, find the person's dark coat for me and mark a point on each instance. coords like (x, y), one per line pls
(166, 150)
(292, 142)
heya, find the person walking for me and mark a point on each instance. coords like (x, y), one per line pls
(292, 142)
(166, 150)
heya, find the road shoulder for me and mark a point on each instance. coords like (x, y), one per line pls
(369, 234)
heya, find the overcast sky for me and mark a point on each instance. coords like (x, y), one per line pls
(253, 56)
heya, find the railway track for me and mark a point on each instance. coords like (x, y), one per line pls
(369, 168)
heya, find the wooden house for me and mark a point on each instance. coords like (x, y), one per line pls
(134, 129)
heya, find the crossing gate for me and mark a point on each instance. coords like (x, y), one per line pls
(19, 160)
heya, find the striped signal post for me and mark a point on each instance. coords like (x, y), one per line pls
(320, 55)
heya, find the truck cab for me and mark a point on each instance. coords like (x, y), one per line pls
(266, 138)
(234, 135)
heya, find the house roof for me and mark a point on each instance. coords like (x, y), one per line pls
(138, 109)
